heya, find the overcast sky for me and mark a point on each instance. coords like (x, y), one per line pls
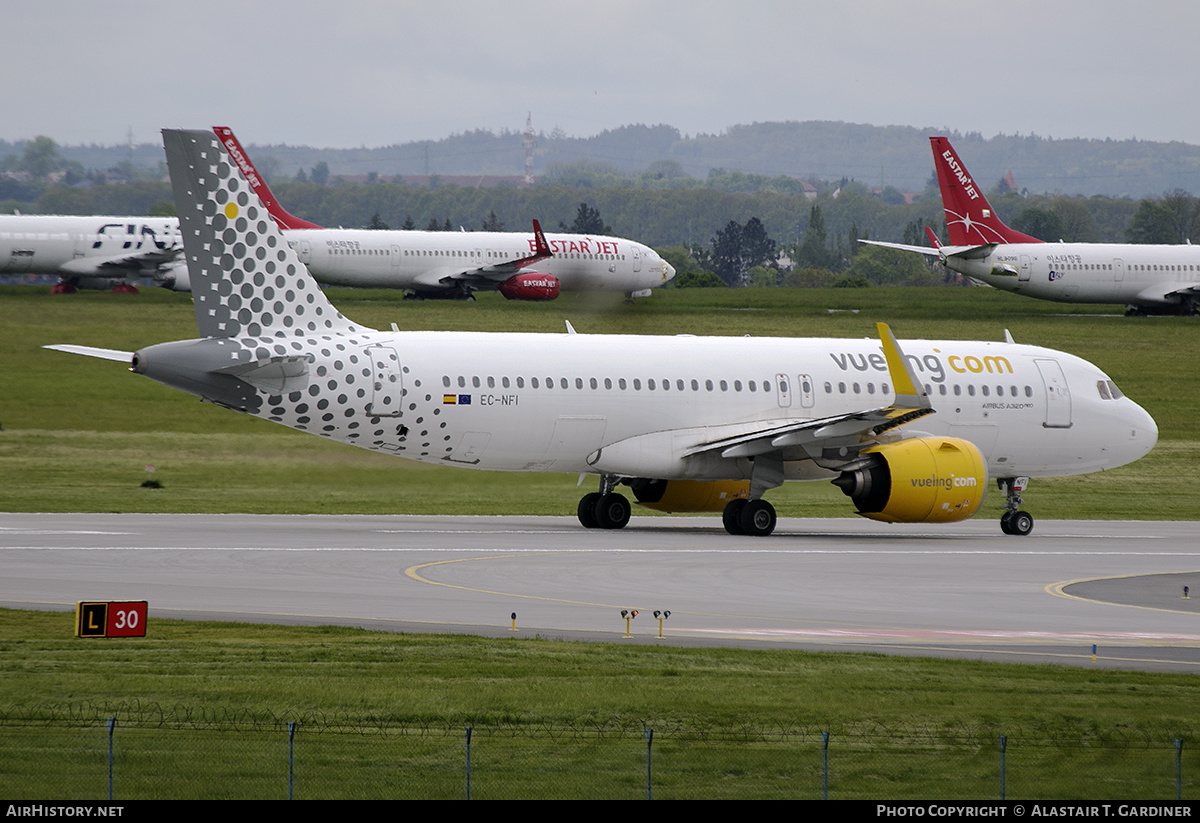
(373, 73)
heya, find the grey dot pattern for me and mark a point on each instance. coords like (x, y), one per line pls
(314, 370)
(246, 281)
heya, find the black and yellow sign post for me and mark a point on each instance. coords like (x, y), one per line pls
(121, 618)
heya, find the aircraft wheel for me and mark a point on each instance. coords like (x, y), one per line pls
(612, 511)
(731, 517)
(1006, 522)
(757, 518)
(1021, 523)
(587, 510)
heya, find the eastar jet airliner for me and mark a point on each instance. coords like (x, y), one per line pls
(93, 252)
(1148, 279)
(456, 264)
(688, 423)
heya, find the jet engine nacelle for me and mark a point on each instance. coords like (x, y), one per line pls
(923, 480)
(530, 285)
(688, 495)
(175, 278)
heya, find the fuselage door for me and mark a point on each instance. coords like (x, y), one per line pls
(1026, 266)
(304, 249)
(395, 257)
(783, 391)
(804, 385)
(387, 386)
(1058, 395)
(1118, 269)
(637, 258)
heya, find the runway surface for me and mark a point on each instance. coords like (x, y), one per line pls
(964, 590)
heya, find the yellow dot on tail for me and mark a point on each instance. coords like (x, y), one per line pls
(231, 210)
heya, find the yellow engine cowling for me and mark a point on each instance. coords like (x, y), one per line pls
(688, 495)
(923, 480)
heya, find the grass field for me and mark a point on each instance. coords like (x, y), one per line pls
(201, 708)
(77, 432)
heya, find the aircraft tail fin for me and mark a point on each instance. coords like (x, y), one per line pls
(970, 218)
(281, 215)
(246, 280)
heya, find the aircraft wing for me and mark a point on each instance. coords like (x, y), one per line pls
(941, 252)
(831, 442)
(822, 440)
(1170, 292)
(826, 440)
(122, 265)
(490, 275)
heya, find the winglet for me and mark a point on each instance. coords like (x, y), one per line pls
(541, 249)
(908, 389)
(933, 240)
(539, 239)
(281, 216)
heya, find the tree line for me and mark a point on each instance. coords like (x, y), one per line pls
(767, 234)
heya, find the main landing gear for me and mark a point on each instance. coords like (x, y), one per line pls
(1014, 521)
(604, 509)
(755, 518)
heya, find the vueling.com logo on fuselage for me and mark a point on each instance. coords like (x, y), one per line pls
(965, 179)
(951, 482)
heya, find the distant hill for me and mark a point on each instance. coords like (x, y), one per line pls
(877, 156)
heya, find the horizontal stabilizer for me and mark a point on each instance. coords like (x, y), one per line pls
(92, 351)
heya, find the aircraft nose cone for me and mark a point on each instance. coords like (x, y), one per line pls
(668, 271)
(1143, 432)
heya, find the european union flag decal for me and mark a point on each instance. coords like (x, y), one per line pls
(464, 400)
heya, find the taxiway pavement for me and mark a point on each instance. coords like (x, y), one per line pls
(964, 590)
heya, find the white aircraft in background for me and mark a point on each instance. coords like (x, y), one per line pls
(689, 423)
(93, 252)
(455, 264)
(1148, 279)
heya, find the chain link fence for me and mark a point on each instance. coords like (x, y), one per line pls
(146, 752)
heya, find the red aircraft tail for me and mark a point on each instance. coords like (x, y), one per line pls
(282, 217)
(970, 218)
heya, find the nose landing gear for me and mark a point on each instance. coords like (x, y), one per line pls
(1014, 521)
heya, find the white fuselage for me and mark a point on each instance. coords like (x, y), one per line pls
(116, 248)
(96, 246)
(632, 405)
(1088, 272)
(435, 260)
